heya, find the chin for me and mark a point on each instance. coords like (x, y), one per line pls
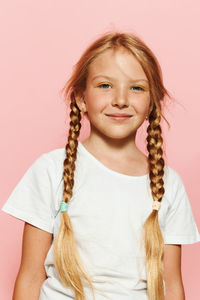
(118, 136)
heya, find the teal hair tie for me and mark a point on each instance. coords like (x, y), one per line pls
(64, 206)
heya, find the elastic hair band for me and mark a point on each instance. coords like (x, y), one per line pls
(156, 205)
(64, 206)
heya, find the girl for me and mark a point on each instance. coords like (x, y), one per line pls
(102, 220)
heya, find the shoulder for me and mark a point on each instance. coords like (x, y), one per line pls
(52, 164)
(54, 159)
(173, 184)
(178, 219)
(48, 167)
(176, 195)
(172, 177)
(57, 156)
(53, 156)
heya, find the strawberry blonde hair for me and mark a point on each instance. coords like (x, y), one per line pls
(66, 257)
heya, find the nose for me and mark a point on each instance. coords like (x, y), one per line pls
(120, 98)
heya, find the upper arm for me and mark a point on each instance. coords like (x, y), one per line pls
(35, 245)
(172, 265)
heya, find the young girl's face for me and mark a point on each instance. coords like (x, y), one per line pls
(116, 84)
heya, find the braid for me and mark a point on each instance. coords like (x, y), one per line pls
(71, 151)
(156, 161)
(153, 239)
(67, 260)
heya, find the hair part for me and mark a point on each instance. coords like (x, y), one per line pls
(67, 260)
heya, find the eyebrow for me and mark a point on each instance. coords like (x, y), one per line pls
(108, 77)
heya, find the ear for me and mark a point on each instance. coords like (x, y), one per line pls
(80, 102)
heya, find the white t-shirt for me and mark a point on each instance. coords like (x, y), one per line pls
(107, 212)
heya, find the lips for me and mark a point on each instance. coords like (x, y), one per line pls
(118, 115)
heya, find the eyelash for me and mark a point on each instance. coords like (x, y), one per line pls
(141, 89)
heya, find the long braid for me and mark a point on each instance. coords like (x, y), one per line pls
(67, 260)
(153, 239)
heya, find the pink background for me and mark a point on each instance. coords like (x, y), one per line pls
(40, 43)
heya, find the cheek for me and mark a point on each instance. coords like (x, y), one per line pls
(141, 103)
(96, 101)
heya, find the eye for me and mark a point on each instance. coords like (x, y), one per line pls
(138, 88)
(104, 85)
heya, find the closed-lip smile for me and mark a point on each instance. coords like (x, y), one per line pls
(119, 115)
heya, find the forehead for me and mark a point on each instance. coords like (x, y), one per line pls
(119, 62)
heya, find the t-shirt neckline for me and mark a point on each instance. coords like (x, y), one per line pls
(101, 165)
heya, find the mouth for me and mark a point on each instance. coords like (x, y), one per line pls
(119, 117)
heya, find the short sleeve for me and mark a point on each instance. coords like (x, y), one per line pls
(32, 199)
(180, 226)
